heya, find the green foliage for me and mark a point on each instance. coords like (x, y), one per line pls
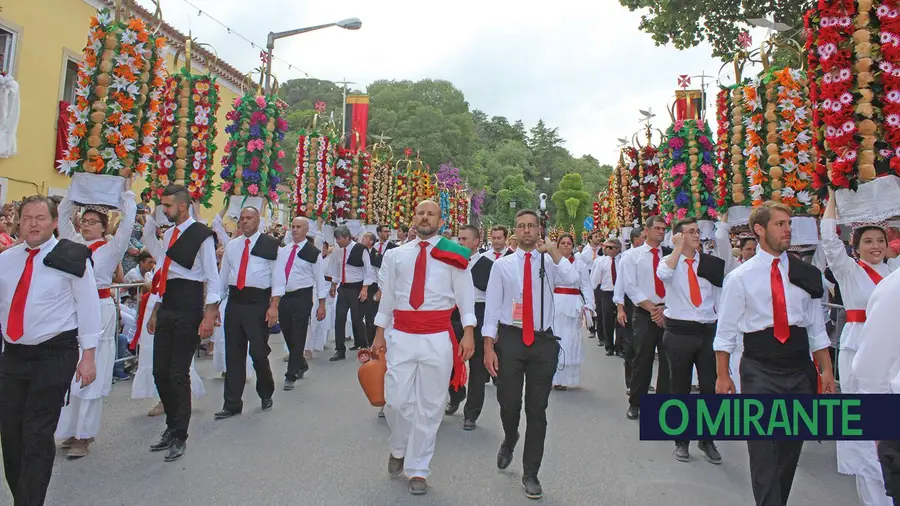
(687, 23)
(514, 188)
(572, 202)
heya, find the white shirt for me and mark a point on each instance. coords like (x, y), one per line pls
(381, 247)
(135, 276)
(601, 272)
(678, 292)
(506, 283)
(261, 273)
(129, 324)
(56, 302)
(364, 274)
(746, 304)
(493, 255)
(205, 268)
(479, 294)
(445, 285)
(723, 248)
(637, 275)
(876, 366)
(107, 257)
(619, 289)
(303, 274)
(589, 255)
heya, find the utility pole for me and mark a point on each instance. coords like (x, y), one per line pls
(345, 82)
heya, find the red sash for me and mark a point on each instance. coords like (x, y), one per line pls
(104, 293)
(432, 322)
(94, 247)
(567, 291)
(873, 274)
(856, 316)
(142, 309)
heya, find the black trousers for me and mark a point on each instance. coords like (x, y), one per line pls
(689, 344)
(773, 463)
(647, 339)
(33, 385)
(606, 320)
(245, 324)
(176, 339)
(889, 456)
(531, 367)
(478, 375)
(624, 335)
(294, 312)
(370, 310)
(598, 317)
(348, 299)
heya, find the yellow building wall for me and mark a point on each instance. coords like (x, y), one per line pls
(48, 31)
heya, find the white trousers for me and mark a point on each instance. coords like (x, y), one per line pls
(80, 419)
(415, 388)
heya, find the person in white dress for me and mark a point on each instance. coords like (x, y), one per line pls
(571, 301)
(857, 280)
(318, 332)
(79, 422)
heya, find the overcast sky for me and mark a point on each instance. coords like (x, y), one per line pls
(582, 66)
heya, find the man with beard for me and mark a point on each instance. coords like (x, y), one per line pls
(518, 317)
(184, 316)
(422, 282)
(351, 267)
(647, 291)
(304, 281)
(773, 300)
(254, 287)
(49, 306)
(384, 240)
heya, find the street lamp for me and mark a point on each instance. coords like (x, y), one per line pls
(346, 24)
(512, 204)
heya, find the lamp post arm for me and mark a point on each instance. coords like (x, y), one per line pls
(273, 36)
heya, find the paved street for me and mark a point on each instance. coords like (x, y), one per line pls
(322, 444)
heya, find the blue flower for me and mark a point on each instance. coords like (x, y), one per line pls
(676, 154)
(254, 130)
(707, 157)
(274, 180)
(682, 199)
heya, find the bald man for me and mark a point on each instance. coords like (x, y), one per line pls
(254, 286)
(304, 270)
(421, 283)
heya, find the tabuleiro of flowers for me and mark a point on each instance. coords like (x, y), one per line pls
(690, 174)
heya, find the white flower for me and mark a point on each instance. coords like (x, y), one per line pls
(803, 157)
(787, 192)
(129, 37)
(114, 164)
(104, 18)
(119, 83)
(756, 191)
(108, 153)
(804, 197)
(789, 166)
(801, 113)
(66, 166)
(124, 59)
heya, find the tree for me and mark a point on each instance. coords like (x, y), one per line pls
(573, 204)
(514, 188)
(687, 23)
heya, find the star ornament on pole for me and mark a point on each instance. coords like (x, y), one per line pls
(744, 39)
(320, 107)
(264, 57)
(684, 81)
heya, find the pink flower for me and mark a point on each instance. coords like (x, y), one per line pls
(679, 170)
(676, 143)
(253, 189)
(708, 170)
(273, 195)
(261, 101)
(668, 218)
(254, 165)
(281, 153)
(256, 144)
(679, 125)
(226, 186)
(712, 213)
(237, 102)
(682, 213)
(281, 124)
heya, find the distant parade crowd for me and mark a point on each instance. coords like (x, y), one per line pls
(448, 315)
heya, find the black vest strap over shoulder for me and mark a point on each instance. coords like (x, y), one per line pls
(184, 251)
(69, 257)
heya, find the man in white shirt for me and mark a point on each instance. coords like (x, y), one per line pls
(499, 236)
(254, 285)
(647, 291)
(184, 316)
(518, 317)
(604, 274)
(49, 306)
(773, 303)
(876, 367)
(143, 271)
(422, 282)
(693, 283)
(589, 255)
(384, 243)
(625, 309)
(304, 270)
(351, 269)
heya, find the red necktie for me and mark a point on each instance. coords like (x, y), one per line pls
(166, 263)
(242, 271)
(693, 283)
(779, 305)
(15, 326)
(497, 256)
(873, 274)
(290, 263)
(344, 268)
(527, 305)
(379, 248)
(660, 287)
(613, 267)
(417, 294)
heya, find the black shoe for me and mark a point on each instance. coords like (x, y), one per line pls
(165, 441)
(505, 455)
(301, 373)
(711, 452)
(620, 354)
(176, 451)
(353, 348)
(633, 413)
(628, 392)
(451, 408)
(225, 413)
(532, 487)
(468, 424)
(338, 355)
(288, 384)
(610, 353)
(267, 404)
(592, 335)
(681, 452)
